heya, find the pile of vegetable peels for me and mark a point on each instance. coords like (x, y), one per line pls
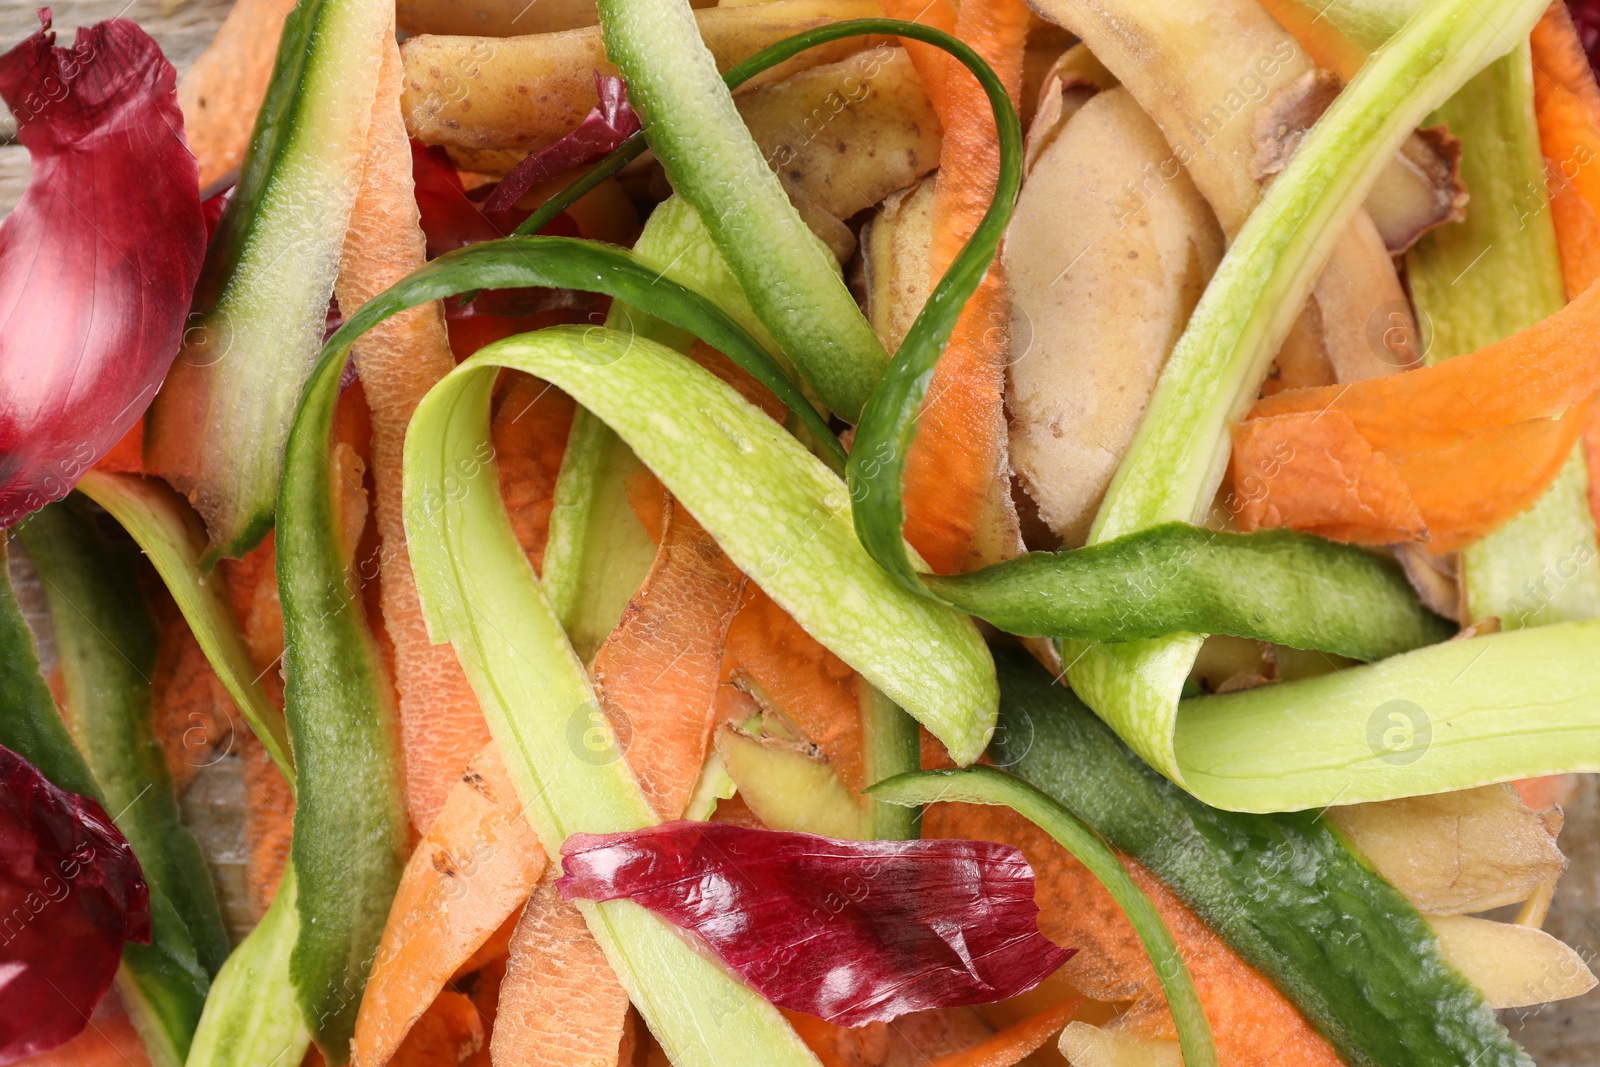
(798, 533)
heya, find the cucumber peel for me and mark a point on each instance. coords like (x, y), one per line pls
(1277, 585)
(252, 1016)
(174, 540)
(219, 426)
(1283, 891)
(351, 832)
(986, 785)
(714, 164)
(1465, 713)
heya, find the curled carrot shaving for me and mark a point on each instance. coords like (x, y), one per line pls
(1567, 103)
(656, 674)
(441, 726)
(473, 869)
(1466, 444)
(1253, 1024)
(561, 1004)
(958, 492)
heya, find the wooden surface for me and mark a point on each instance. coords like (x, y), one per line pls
(1558, 1035)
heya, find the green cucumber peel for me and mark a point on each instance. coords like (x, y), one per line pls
(803, 552)
(30, 725)
(714, 163)
(1277, 585)
(1478, 281)
(162, 983)
(106, 642)
(1284, 891)
(219, 427)
(598, 551)
(479, 592)
(173, 538)
(891, 745)
(778, 512)
(1180, 451)
(351, 832)
(986, 785)
(252, 1016)
(1496, 708)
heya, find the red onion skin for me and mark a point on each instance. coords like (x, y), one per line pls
(71, 893)
(850, 931)
(610, 122)
(98, 261)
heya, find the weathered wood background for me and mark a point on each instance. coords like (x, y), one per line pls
(1560, 1035)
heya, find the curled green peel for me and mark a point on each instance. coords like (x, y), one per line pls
(479, 592)
(1279, 586)
(1451, 716)
(778, 512)
(174, 540)
(351, 834)
(985, 785)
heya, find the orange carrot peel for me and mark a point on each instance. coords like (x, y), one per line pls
(1016, 1042)
(473, 870)
(441, 726)
(1443, 454)
(957, 493)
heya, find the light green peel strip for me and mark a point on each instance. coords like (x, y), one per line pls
(1178, 457)
(1479, 281)
(1451, 716)
(712, 161)
(252, 1018)
(173, 538)
(985, 785)
(479, 592)
(778, 512)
